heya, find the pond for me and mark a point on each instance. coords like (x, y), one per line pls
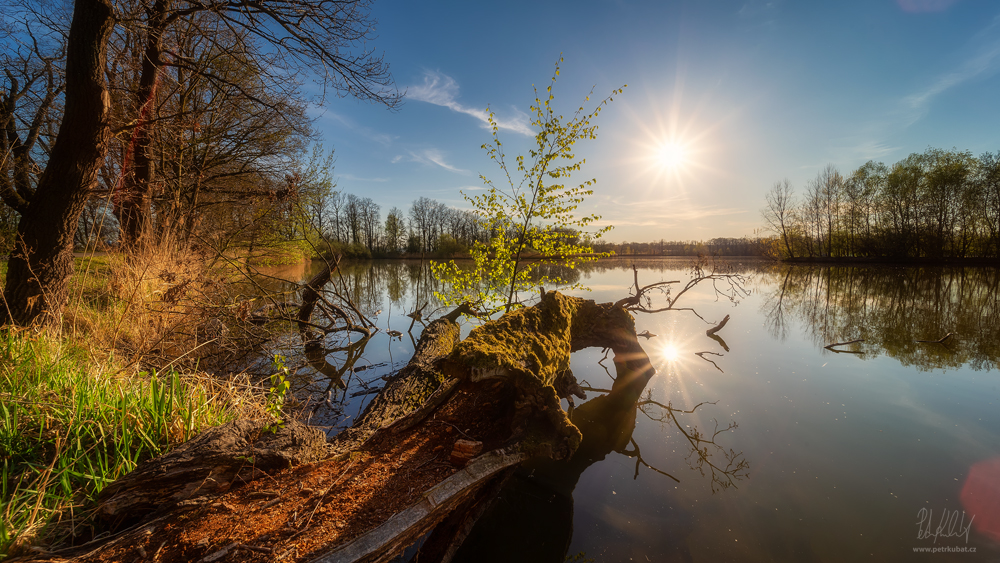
(793, 452)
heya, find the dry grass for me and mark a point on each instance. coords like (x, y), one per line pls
(115, 384)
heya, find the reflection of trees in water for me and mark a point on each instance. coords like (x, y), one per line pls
(721, 265)
(891, 308)
(725, 467)
(557, 271)
(404, 283)
(532, 517)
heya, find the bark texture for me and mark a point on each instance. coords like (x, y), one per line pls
(42, 261)
(408, 390)
(211, 463)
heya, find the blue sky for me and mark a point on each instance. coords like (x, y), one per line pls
(754, 91)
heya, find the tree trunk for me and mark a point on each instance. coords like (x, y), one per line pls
(42, 261)
(135, 200)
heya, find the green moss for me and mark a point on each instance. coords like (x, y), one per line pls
(535, 340)
(531, 347)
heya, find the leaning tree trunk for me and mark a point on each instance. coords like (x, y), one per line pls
(42, 261)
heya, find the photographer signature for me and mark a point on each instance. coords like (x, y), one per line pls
(950, 525)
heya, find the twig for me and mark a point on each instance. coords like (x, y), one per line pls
(702, 356)
(595, 389)
(371, 391)
(939, 341)
(255, 548)
(321, 497)
(456, 428)
(831, 346)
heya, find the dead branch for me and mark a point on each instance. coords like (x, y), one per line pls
(416, 316)
(642, 302)
(938, 341)
(717, 327)
(702, 356)
(835, 344)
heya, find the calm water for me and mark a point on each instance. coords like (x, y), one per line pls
(819, 455)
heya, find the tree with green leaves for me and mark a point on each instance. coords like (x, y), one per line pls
(528, 217)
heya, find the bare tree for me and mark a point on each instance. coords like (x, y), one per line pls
(778, 212)
(323, 39)
(281, 38)
(42, 261)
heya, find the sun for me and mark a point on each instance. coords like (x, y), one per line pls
(672, 155)
(670, 353)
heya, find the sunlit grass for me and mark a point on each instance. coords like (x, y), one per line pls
(69, 427)
(75, 412)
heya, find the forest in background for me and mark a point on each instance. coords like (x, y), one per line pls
(935, 204)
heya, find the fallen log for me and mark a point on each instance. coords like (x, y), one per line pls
(388, 478)
(407, 526)
(211, 463)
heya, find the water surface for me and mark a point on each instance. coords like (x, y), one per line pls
(855, 453)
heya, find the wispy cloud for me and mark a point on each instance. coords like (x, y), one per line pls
(428, 156)
(757, 8)
(866, 149)
(984, 61)
(442, 90)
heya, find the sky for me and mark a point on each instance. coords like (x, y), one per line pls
(723, 99)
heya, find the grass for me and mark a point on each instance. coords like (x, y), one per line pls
(75, 411)
(69, 427)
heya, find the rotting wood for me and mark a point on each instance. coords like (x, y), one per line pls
(464, 451)
(384, 542)
(407, 390)
(211, 463)
(443, 543)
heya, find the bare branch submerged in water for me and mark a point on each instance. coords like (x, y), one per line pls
(733, 289)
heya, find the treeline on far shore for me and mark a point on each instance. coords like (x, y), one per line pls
(939, 204)
(745, 246)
